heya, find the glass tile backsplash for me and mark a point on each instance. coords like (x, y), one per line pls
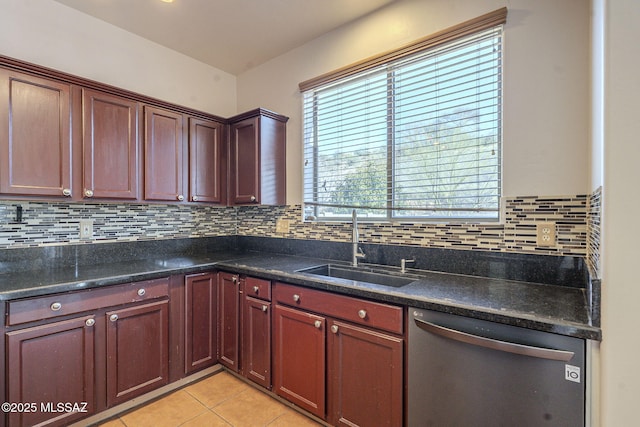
(577, 220)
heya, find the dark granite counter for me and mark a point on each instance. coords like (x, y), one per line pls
(547, 307)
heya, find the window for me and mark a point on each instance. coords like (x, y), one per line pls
(415, 137)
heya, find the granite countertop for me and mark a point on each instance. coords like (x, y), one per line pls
(558, 309)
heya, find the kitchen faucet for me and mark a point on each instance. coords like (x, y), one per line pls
(356, 252)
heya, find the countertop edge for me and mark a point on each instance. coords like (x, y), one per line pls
(526, 320)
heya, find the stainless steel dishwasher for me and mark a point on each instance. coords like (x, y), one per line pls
(468, 372)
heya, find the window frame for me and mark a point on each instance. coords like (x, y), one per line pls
(385, 63)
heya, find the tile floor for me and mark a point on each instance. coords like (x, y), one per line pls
(219, 400)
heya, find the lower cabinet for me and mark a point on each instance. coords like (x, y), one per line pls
(229, 320)
(299, 358)
(71, 355)
(364, 373)
(337, 357)
(201, 321)
(245, 326)
(137, 350)
(347, 350)
(48, 364)
(256, 341)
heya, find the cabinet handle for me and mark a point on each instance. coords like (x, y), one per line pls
(252, 198)
(234, 279)
(66, 192)
(180, 197)
(317, 324)
(334, 329)
(90, 322)
(256, 289)
(141, 292)
(88, 193)
(113, 317)
(296, 297)
(56, 306)
(194, 198)
(264, 308)
(362, 314)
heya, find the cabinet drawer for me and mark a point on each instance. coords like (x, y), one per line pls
(257, 288)
(376, 315)
(46, 307)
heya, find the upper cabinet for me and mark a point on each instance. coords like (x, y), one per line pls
(207, 161)
(63, 136)
(257, 156)
(164, 155)
(35, 136)
(110, 146)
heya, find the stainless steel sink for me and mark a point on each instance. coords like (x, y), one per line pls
(362, 274)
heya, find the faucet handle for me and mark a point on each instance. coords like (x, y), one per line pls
(403, 264)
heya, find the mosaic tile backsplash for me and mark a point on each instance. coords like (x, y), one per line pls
(517, 233)
(58, 224)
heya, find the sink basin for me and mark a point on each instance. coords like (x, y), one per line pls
(362, 274)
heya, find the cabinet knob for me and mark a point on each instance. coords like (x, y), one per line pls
(194, 198)
(334, 329)
(180, 197)
(256, 289)
(113, 317)
(66, 192)
(317, 324)
(88, 193)
(362, 314)
(141, 292)
(90, 322)
(252, 198)
(296, 297)
(56, 306)
(234, 279)
(264, 308)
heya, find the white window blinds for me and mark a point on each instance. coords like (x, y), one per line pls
(416, 137)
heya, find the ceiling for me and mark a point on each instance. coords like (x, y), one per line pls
(232, 35)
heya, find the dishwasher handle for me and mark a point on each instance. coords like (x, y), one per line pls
(525, 350)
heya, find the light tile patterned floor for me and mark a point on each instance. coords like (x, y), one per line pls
(220, 400)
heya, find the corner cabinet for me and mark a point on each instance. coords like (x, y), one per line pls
(201, 321)
(257, 158)
(35, 136)
(245, 326)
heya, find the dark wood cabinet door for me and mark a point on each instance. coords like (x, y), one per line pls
(365, 376)
(299, 358)
(229, 320)
(35, 138)
(164, 155)
(201, 312)
(49, 364)
(245, 161)
(110, 146)
(206, 161)
(137, 350)
(256, 341)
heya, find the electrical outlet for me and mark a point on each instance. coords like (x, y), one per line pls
(86, 228)
(546, 233)
(282, 226)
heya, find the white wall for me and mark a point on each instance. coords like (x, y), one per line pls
(546, 83)
(620, 376)
(48, 33)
